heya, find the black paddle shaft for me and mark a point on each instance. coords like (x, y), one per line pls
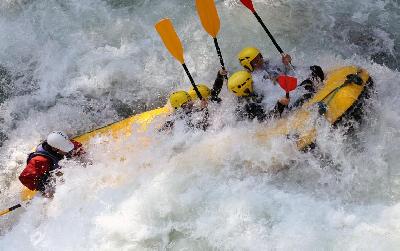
(192, 81)
(10, 209)
(14, 207)
(221, 60)
(269, 33)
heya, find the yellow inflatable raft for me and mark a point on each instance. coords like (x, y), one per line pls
(341, 93)
(124, 127)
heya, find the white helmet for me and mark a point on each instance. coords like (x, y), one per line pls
(60, 141)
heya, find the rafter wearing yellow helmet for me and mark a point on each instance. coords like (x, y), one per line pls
(184, 109)
(178, 99)
(252, 60)
(246, 57)
(203, 89)
(210, 94)
(194, 115)
(241, 83)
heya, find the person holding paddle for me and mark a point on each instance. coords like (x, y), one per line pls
(213, 94)
(187, 112)
(266, 76)
(42, 164)
(252, 60)
(187, 108)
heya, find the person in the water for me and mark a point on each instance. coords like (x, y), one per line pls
(42, 164)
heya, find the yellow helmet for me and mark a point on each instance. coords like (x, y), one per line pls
(179, 98)
(203, 89)
(246, 56)
(241, 83)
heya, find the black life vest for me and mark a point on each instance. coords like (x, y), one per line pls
(41, 151)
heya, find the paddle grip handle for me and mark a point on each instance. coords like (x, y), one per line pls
(221, 60)
(192, 81)
(267, 31)
(287, 95)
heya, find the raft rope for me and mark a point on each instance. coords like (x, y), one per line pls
(351, 78)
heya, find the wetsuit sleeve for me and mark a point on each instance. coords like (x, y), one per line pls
(35, 174)
(215, 91)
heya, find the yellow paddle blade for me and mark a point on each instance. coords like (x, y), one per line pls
(167, 32)
(4, 212)
(208, 16)
(27, 194)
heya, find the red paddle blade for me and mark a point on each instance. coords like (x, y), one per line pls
(248, 4)
(287, 83)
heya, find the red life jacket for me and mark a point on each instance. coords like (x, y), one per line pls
(53, 157)
(40, 163)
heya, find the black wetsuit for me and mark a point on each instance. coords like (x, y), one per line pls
(250, 108)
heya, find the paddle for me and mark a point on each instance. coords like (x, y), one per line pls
(287, 83)
(210, 20)
(249, 5)
(167, 32)
(25, 195)
(9, 209)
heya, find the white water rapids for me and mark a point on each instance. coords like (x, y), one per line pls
(75, 65)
